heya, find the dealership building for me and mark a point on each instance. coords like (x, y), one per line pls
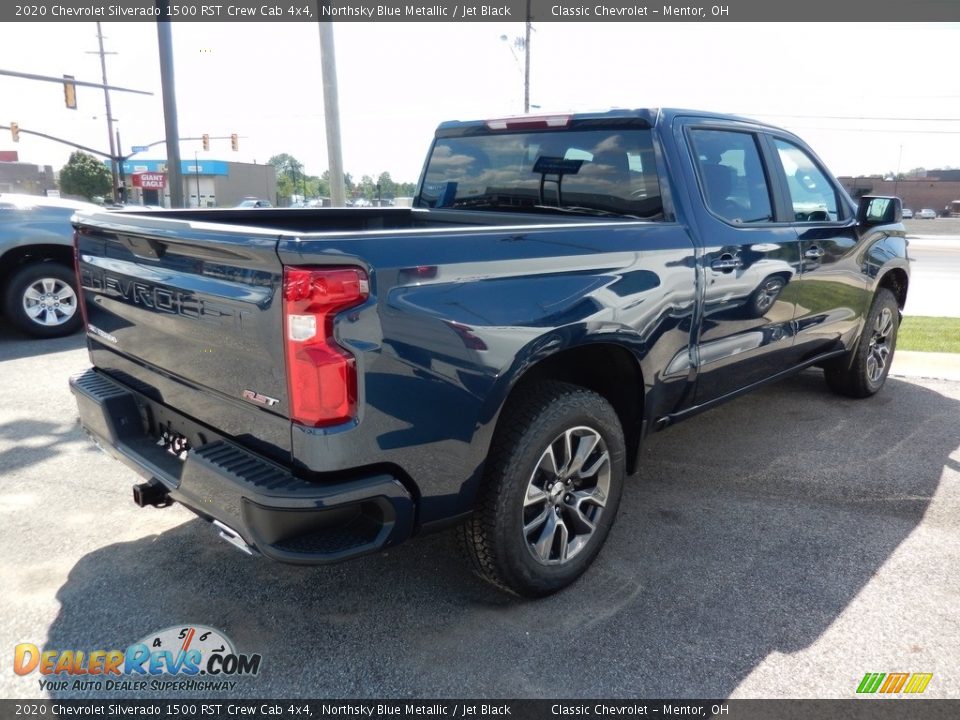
(937, 190)
(206, 182)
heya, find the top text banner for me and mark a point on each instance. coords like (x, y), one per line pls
(471, 11)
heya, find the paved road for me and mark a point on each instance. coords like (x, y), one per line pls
(935, 273)
(780, 546)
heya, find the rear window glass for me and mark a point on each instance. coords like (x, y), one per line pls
(605, 170)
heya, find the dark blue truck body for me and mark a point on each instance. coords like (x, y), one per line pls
(663, 314)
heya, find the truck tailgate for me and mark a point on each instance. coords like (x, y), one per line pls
(191, 315)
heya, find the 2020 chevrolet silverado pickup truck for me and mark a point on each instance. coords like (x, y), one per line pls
(324, 384)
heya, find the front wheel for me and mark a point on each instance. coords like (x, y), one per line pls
(864, 373)
(551, 490)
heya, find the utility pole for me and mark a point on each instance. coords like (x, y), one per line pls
(896, 178)
(123, 179)
(515, 44)
(196, 172)
(165, 44)
(331, 111)
(106, 99)
(526, 65)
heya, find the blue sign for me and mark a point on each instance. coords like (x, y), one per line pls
(187, 167)
(140, 148)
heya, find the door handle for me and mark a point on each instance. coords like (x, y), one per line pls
(814, 253)
(726, 263)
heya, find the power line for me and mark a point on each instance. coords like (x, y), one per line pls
(855, 117)
(877, 130)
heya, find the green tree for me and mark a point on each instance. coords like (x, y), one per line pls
(366, 188)
(320, 186)
(284, 161)
(290, 179)
(388, 188)
(86, 176)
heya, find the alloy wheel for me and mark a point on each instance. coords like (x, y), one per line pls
(878, 353)
(49, 301)
(566, 495)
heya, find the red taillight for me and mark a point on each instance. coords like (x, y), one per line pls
(321, 375)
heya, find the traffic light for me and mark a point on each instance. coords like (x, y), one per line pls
(206, 142)
(15, 131)
(69, 92)
(234, 144)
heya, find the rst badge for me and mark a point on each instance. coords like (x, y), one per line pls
(259, 398)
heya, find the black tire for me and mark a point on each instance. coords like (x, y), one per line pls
(864, 372)
(503, 540)
(41, 299)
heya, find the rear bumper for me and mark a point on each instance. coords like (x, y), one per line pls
(283, 517)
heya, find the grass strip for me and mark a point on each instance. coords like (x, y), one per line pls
(929, 334)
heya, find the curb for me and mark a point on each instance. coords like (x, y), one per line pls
(935, 366)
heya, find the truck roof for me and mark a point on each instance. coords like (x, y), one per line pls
(647, 116)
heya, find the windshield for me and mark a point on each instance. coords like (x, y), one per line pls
(595, 172)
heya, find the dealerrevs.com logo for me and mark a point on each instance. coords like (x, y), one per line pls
(894, 683)
(179, 658)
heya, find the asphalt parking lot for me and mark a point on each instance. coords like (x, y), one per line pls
(780, 546)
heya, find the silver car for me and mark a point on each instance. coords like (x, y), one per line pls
(38, 287)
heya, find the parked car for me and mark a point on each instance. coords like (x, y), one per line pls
(325, 385)
(907, 213)
(254, 202)
(38, 288)
(927, 214)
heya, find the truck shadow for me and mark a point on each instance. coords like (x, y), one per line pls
(748, 531)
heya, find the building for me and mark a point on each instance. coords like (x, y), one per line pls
(927, 192)
(25, 178)
(206, 182)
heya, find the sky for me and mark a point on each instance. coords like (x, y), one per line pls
(872, 98)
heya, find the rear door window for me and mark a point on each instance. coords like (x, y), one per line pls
(731, 175)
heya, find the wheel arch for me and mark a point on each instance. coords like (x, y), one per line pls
(897, 281)
(607, 368)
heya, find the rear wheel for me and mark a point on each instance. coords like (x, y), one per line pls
(552, 486)
(41, 300)
(864, 373)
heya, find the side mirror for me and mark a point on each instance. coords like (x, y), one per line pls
(879, 210)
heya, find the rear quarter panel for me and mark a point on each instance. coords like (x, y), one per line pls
(456, 318)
